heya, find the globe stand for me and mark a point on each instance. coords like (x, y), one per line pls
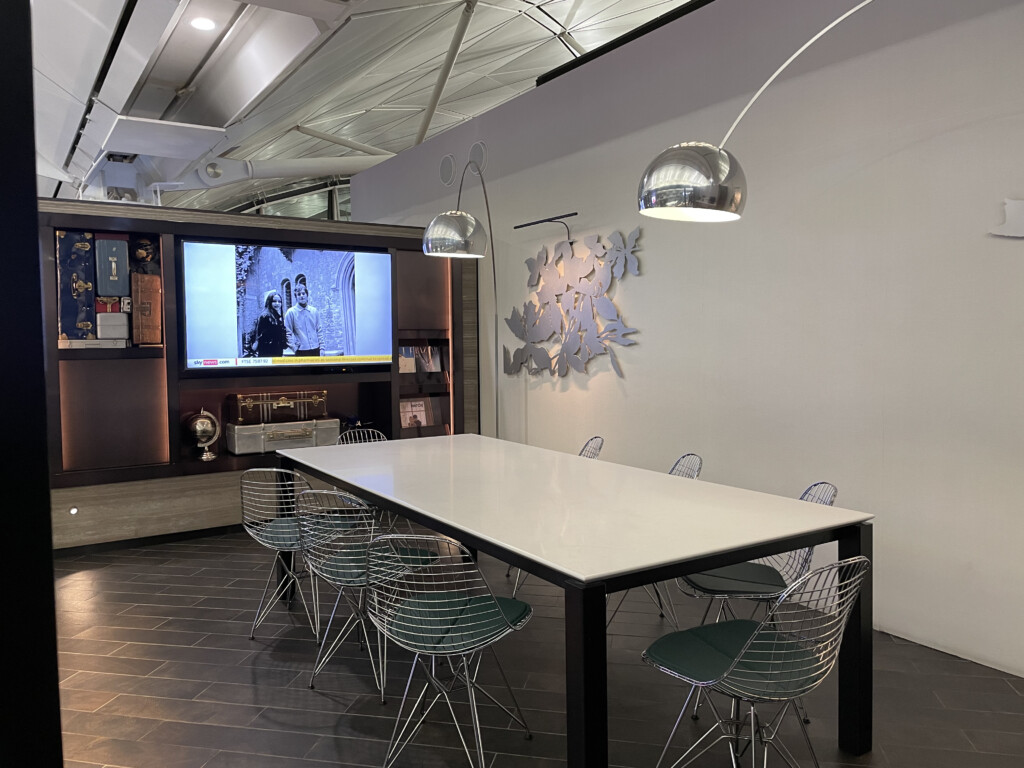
(205, 429)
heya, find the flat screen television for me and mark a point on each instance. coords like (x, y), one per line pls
(259, 308)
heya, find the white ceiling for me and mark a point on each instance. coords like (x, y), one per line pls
(197, 116)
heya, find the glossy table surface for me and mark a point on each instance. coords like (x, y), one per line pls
(586, 518)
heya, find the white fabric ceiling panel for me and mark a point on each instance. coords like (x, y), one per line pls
(70, 40)
(57, 117)
(141, 36)
(45, 187)
(255, 58)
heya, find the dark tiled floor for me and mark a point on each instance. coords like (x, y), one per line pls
(157, 671)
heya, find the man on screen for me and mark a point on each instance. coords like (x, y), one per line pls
(303, 324)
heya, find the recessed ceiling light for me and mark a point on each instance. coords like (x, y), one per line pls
(203, 23)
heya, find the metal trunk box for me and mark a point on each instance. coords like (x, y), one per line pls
(264, 438)
(112, 325)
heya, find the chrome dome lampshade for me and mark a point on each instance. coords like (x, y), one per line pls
(455, 234)
(694, 181)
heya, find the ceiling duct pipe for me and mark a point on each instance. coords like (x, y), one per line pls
(222, 171)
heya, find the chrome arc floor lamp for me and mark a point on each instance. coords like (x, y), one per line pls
(697, 181)
(457, 234)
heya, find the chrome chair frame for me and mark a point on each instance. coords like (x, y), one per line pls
(361, 435)
(269, 516)
(336, 529)
(426, 594)
(788, 566)
(777, 660)
(356, 435)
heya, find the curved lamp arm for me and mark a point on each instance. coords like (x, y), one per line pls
(789, 61)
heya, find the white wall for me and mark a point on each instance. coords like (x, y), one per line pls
(858, 324)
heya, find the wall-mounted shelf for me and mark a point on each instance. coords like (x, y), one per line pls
(116, 414)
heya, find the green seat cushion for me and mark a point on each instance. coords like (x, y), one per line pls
(738, 579)
(453, 622)
(702, 654)
(774, 666)
(345, 567)
(279, 533)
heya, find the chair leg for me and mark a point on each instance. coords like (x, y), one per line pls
(621, 601)
(288, 580)
(801, 711)
(327, 651)
(518, 584)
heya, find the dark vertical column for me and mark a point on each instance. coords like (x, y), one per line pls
(856, 654)
(586, 676)
(33, 647)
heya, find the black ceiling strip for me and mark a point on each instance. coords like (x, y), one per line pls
(621, 40)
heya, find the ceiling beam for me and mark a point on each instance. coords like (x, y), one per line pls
(356, 145)
(446, 68)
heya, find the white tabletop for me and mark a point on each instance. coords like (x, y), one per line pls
(587, 518)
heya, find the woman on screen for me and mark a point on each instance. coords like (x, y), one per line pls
(269, 336)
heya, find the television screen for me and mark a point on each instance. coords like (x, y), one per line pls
(264, 306)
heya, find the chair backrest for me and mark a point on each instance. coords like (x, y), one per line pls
(592, 448)
(687, 465)
(793, 565)
(361, 435)
(797, 643)
(427, 595)
(335, 529)
(820, 493)
(268, 506)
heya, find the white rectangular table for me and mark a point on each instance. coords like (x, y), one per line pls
(593, 527)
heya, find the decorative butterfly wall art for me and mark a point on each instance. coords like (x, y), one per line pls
(570, 311)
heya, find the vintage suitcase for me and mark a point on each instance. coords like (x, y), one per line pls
(112, 265)
(272, 407)
(265, 438)
(108, 304)
(147, 309)
(112, 325)
(76, 277)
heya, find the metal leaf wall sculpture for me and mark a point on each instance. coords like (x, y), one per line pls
(570, 310)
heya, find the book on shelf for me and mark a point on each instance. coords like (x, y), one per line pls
(406, 360)
(415, 412)
(428, 358)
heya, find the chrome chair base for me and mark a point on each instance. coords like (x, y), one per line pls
(355, 620)
(461, 675)
(740, 733)
(289, 578)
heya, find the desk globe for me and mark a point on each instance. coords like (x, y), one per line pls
(203, 429)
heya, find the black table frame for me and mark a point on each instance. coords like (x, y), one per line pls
(586, 656)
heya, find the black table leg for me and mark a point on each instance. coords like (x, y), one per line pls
(586, 676)
(855, 654)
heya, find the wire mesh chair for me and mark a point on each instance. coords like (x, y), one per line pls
(777, 660)
(428, 596)
(386, 520)
(268, 515)
(761, 580)
(592, 448)
(336, 528)
(689, 466)
(361, 435)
